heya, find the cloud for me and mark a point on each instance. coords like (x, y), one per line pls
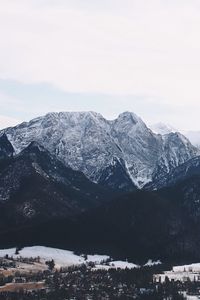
(147, 49)
(150, 47)
(26, 101)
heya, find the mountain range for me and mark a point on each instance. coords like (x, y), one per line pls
(78, 180)
(87, 142)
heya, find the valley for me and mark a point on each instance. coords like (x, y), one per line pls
(78, 181)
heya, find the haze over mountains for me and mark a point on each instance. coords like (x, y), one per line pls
(82, 181)
(162, 128)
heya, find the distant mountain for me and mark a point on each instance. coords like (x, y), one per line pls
(162, 128)
(87, 142)
(35, 187)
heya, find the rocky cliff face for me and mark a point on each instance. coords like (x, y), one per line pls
(87, 142)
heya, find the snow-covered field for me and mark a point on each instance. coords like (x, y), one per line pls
(123, 265)
(97, 259)
(61, 257)
(65, 258)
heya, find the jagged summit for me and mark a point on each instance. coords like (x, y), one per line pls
(162, 128)
(87, 142)
(129, 116)
(75, 116)
(75, 113)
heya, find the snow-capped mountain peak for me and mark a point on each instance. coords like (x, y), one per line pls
(129, 117)
(87, 142)
(162, 128)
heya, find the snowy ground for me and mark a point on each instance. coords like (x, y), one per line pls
(64, 258)
(123, 265)
(188, 297)
(97, 258)
(187, 268)
(61, 257)
(152, 263)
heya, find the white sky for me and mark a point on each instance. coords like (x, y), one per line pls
(138, 55)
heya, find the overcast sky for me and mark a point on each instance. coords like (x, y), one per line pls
(102, 55)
